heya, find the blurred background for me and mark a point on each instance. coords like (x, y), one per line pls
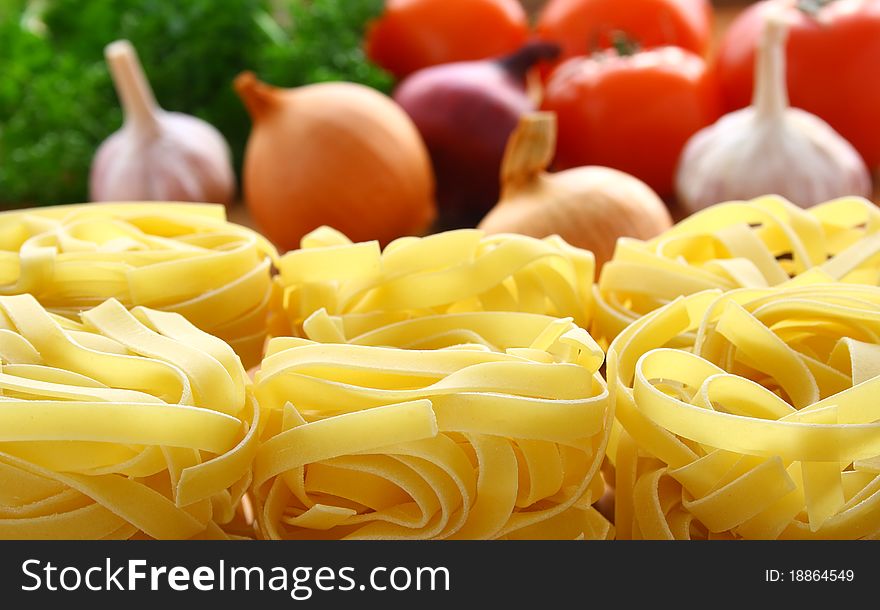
(57, 101)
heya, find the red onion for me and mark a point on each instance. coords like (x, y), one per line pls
(466, 112)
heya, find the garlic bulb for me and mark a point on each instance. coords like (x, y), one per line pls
(157, 155)
(769, 147)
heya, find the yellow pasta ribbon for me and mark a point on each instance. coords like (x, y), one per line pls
(124, 424)
(750, 414)
(450, 272)
(176, 257)
(471, 425)
(742, 244)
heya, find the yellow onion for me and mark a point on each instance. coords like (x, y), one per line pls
(589, 207)
(336, 154)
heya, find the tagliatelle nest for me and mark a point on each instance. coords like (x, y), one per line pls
(451, 272)
(123, 425)
(469, 426)
(761, 422)
(177, 257)
(754, 244)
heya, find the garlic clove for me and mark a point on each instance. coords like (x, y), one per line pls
(157, 155)
(769, 147)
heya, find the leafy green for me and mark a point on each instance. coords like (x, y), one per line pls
(53, 111)
(321, 41)
(57, 103)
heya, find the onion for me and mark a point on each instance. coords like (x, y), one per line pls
(589, 207)
(465, 112)
(336, 154)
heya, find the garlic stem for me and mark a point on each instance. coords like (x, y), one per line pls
(529, 151)
(771, 91)
(138, 101)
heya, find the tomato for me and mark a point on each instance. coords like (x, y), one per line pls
(832, 56)
(415, 34)
(583, 26)
(633, 113)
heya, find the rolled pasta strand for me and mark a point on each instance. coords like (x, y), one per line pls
(450, 272)
(473, 425)
(750, 414)
(176, 257)
(741, 244)
(123, 424)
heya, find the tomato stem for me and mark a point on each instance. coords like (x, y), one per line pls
(624, 44)
(812, 7)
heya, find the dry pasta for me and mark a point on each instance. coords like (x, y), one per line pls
(455, 271)
(453, 426)
(754, 244)
(124, 424)
(182, 258)
(750, 414)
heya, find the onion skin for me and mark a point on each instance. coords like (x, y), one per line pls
(465, 112)
(589, 207)
(336, 154)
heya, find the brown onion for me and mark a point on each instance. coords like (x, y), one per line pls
(589, 207)
(336, 154)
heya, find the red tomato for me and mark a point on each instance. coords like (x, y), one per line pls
(583, 26)
(833, 57)
(415, 34)
(633, 113)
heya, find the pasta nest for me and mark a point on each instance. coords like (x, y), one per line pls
(182, 258)
(742, 244)
(462, 426)
(760, 422)
(121, 425)
(451, 272)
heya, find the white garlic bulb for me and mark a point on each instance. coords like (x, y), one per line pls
(769, 147)
(157, 155)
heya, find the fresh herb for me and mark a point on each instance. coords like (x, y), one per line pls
(321, 40)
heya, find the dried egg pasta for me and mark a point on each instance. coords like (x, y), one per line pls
(451, 272)
(125, 424)
(177, 257)
(750, 414)
(460, 426)
(755, 244)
